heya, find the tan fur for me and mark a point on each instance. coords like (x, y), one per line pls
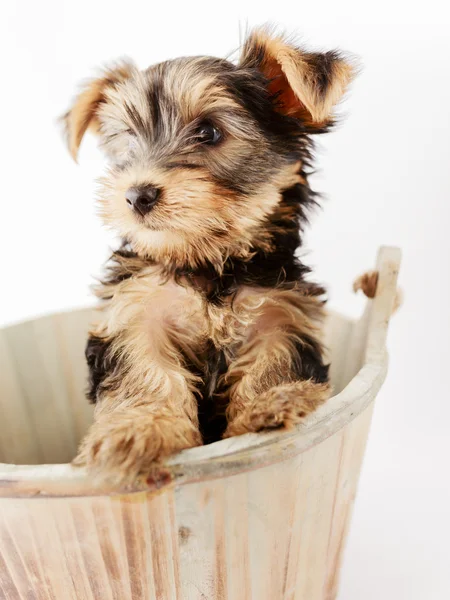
(144, 318)
(152, 412)
(275, 321)
(178, 231)
(291, 74)
(130, 442)
(282, 406)
(83, 114)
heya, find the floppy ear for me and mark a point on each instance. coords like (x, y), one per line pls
(83, 114)
(306, 85)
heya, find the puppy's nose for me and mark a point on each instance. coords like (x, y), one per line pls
(142, 199)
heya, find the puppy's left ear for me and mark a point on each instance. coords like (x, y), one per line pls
(83, 114)
(305, 85)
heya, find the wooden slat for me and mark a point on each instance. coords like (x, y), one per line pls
(18, 443)
(37, 389)
(72, 329)
(338, 331)
(354, 438)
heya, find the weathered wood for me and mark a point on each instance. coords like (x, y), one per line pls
(250, 518)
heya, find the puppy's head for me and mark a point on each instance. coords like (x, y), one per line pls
(201, 149)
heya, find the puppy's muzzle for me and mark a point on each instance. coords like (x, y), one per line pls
(142, 199)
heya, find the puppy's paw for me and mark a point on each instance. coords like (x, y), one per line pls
(124, 444)
(282, 406)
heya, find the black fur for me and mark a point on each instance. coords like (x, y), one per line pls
(211, 404)
(322, 64)
(102, 365)
(308, 362)
(123, 264)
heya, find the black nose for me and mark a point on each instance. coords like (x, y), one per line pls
(142, 199)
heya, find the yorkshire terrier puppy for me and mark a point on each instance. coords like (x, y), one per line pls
(207, 327)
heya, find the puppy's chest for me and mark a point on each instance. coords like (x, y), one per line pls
(151, 305)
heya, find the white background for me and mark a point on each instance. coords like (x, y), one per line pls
(386, 175)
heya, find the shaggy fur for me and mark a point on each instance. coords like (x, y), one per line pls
(207, 325)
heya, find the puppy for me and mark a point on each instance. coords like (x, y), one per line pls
(207, 326)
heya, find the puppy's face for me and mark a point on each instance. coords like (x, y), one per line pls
(200, 149)
(194, 167)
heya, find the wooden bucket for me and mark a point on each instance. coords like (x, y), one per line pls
(261, 517)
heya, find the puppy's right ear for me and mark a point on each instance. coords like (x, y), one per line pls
(83, 114)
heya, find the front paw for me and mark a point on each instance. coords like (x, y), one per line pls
(124, 444)
(283, 406)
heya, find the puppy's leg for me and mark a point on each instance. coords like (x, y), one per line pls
(278, 376)
(146, 408)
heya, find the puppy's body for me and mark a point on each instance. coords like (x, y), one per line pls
(208, 326)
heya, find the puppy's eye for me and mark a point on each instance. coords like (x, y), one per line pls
(208, 134)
